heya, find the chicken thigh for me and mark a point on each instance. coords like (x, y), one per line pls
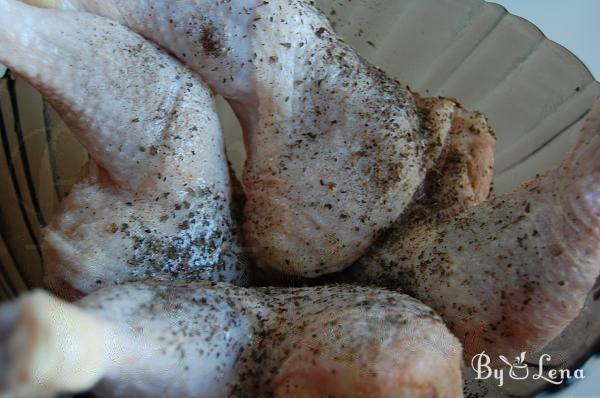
(201, 339)
(336, 149)
(512, 273)
(155, 199)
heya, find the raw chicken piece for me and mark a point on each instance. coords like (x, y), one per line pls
(462, 176)
(460, 180)
(337, 150)
(155, 199)
(511, 274)
(216, 340)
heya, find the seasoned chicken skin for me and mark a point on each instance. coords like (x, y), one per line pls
(336, 149)
(200, 339)
(462, 176)
(513, 272)
(155, 199)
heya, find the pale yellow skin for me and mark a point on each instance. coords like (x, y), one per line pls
(337, 150)
(155, 199)
(189, 340)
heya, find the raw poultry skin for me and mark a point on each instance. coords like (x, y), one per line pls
(336, 149)
(155, 199)
(461, 178)
(511, 274)
(201, 339)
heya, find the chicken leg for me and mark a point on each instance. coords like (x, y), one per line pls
(216, 340)
(155, 199)
(336, 149)
(512, 273)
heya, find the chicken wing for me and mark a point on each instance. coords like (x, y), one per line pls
(155, 199)
(216, 340)
(336, 149)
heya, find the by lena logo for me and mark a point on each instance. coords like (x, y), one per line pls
(520, 370)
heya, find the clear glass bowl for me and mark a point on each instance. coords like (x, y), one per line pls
(535, 93)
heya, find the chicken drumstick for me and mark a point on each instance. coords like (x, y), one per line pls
(201, 339)
(155, 199)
